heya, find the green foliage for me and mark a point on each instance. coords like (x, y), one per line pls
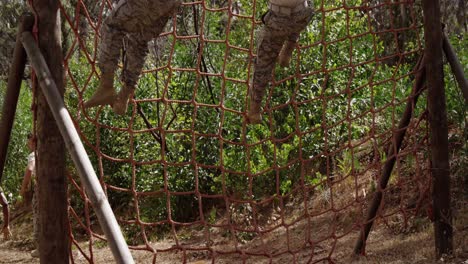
(348, 164)
(456, 106)
(207, 145)
(318, 181)
(186, 140)
(17, 148)
(10, 12)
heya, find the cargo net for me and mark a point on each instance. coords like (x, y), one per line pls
(189, 180)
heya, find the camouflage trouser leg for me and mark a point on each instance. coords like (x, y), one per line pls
(137, 50)
(140, 20)
(276, 30)
(267, 53)
(35, 209)
(109, 48)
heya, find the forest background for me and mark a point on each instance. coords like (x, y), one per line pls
(179, 146)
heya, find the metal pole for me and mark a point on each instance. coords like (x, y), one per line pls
(72, 140)
(13, 89)
(440, 167)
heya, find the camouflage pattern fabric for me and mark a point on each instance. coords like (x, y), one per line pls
(277, 29)
(136, 21)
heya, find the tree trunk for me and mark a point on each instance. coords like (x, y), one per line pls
(10, 100)
(440, 168)
(53, 218)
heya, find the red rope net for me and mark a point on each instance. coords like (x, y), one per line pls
(189, 180)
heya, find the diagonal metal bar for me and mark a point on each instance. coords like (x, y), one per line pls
(78, 153)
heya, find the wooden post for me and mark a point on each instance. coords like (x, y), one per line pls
(13, 89)
(50, 163)
(456, 66)
(438, 128)
(392, 153)
(78, 153)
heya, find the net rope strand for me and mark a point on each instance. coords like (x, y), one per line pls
(305, 177)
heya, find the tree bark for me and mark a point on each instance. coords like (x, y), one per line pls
(13, 90)
(391, 154)
(50, 165)
(456, 66)
(440, 168)
(80, 157)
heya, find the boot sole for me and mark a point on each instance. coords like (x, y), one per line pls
(101, 100)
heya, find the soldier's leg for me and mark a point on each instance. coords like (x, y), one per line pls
(109, 50)
(153, 23)
(287, 50)
(6, 216)
(135, 56)
(301, 20)
(267, 53)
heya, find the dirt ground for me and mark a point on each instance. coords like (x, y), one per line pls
(304, 232)
(12, 255)
(384, 246)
